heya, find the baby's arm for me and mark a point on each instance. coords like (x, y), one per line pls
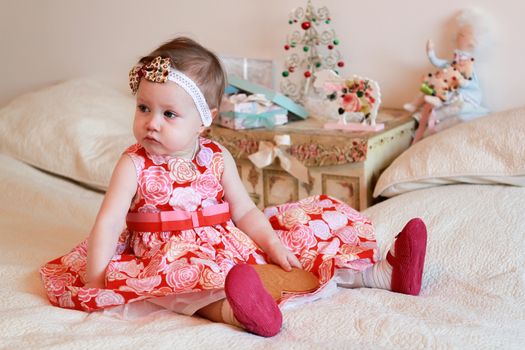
(110, 221)
(250, 219)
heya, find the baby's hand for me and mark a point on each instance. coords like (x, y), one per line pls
(281, 256)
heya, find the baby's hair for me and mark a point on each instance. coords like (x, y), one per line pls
(197, 62)
(480, 22)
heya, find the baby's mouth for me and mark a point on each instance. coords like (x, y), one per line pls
(151, 140)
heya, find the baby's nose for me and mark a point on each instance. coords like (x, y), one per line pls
(154, 122)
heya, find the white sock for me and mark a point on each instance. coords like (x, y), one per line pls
(347, 278)
(228, 316)
(379, 275)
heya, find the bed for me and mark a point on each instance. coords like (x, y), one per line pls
(57, 148)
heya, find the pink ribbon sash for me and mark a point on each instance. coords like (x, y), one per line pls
(178, 219)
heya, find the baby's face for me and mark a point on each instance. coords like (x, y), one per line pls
(465, 40)
(166, 119)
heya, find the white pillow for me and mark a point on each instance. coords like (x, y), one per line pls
(488, 150)
(76, 129)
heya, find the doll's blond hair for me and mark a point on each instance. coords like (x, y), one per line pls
(481, 23)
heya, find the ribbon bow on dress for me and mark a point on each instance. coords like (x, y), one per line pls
(268, 151)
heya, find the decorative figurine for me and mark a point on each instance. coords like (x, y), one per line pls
(358, 101)
(453, 94)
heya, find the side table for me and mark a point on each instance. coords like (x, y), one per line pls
(345, 165)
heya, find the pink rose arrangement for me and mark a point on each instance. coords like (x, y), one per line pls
(356, 95)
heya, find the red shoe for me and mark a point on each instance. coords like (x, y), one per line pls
(408, 263)
(252, 305)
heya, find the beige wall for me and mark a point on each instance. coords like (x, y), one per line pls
(44, 41)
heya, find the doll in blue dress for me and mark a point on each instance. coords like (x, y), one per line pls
(464, 101)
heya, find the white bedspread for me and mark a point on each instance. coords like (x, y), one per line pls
(473, 294)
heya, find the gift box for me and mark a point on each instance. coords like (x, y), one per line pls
(294, 110)
(259, 71)
(241, 111)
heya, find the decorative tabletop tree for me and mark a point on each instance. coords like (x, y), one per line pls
(310, 48)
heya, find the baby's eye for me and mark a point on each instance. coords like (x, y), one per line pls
(143, 108)
(170, 115)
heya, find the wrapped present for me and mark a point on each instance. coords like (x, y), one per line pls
(241, 111)
(294, 110)
(259, 71)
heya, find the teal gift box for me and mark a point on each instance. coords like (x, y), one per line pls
(271, 117)
(235, 119)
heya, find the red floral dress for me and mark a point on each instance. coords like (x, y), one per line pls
(321, 231)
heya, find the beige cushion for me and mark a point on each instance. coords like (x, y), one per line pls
(76, 129)
(489, 150)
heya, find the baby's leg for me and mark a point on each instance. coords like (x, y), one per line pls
(401, 271)
(247, 305)
(271, 279)
(220, 311)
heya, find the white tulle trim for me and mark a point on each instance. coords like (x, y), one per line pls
(184, 304)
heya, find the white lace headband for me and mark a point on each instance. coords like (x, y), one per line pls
(160, 70)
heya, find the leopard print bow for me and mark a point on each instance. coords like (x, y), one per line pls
(156, 71)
